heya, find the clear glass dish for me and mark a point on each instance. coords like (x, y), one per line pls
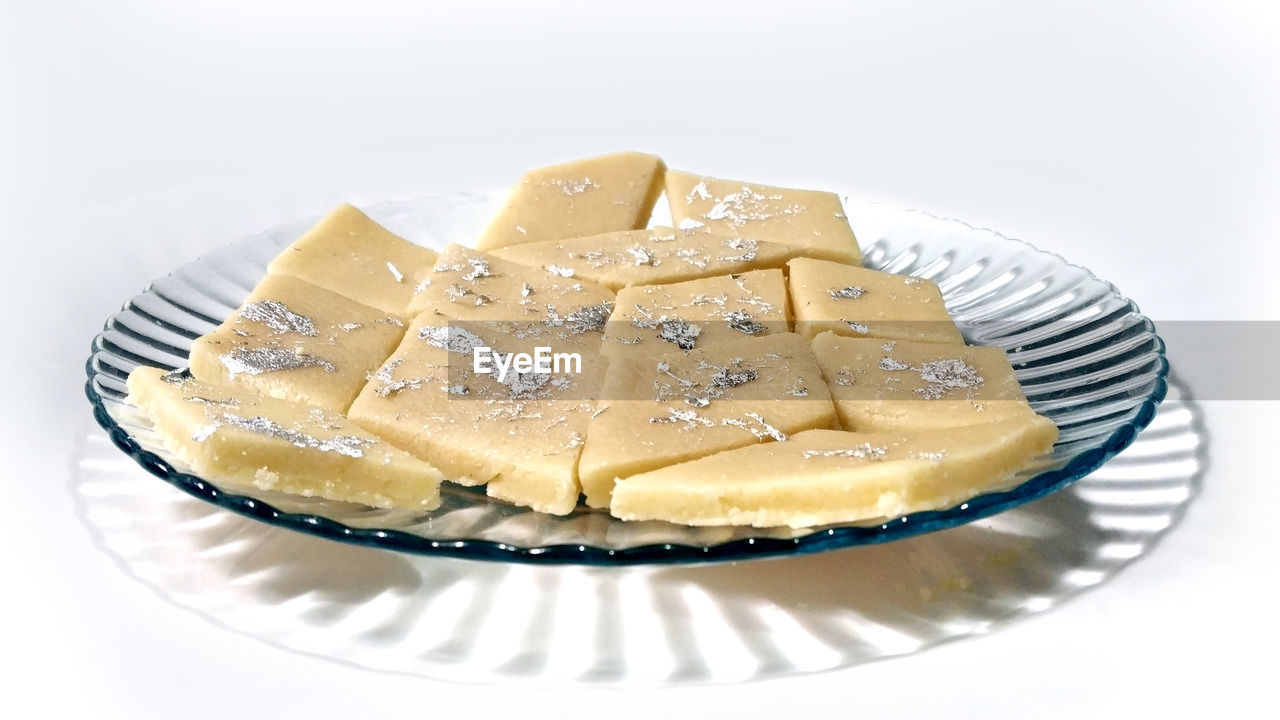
(1085, 356)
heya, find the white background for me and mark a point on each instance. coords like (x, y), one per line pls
(1137, 139)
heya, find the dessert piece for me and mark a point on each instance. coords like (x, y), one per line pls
(810, 220)
(468, 285)
(830, 476)
(651, 256)
(679, 406)
(655, 319)
(858, 302)
(351, 255)
(584, 197)
(905, 386)
(520, 432)
(294, 341)
(233, 434)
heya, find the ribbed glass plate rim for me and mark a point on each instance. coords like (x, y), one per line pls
(748, 548)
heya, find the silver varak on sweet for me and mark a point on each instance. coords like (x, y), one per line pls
(679, 332)
(588, 319)
(256, 361)
(450, 339)
(742, 321)
(852, 292)
(865, 451)
(278, 317)
(347, 445)
(944, 375)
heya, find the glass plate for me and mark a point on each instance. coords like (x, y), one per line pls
(648, 625)
(1085, 356)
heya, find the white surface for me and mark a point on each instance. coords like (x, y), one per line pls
(135, 135)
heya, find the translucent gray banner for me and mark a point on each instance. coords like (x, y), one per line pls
(1218, 360)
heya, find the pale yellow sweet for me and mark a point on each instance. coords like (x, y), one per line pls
(234, 435)
(653, 319)
(469, 285)
(352, 255)
(887, 385)
(859, 302)
(651, 256)
(811, 220)
(821, 477)
(292, 340)
(521, 438)
(676, 407)
(574, 199)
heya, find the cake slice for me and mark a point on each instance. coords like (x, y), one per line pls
(354, 256)
(821, 477)
(652, 256)
(468, 285)
(518, 434)
(887, 385)
(655, 319)
(232, 434)
(679, 406)
(292, 340)
(575, 199)
(810, 220)
(859, 302)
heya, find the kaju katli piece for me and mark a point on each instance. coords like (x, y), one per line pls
(810, 220)
(231, 433)
(519, 434)
(350, 254)
(821, 477)
(654, 319)
(595, 195)
(859, 302)
(896, 385)
(296, 341)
